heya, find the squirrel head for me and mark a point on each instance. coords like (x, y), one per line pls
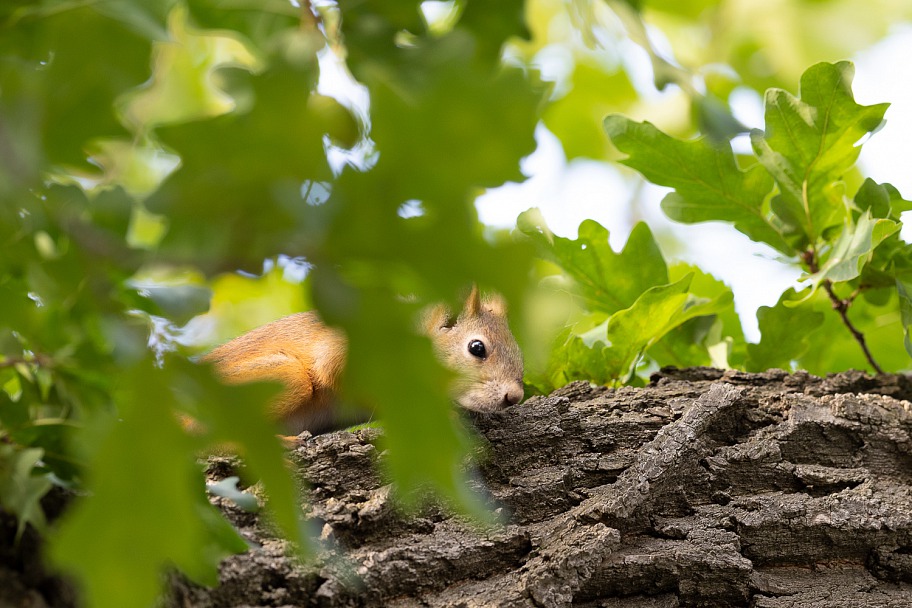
(480, 348)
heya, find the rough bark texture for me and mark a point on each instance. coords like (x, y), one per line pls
(706, 488)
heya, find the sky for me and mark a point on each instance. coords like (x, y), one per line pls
(568, 193)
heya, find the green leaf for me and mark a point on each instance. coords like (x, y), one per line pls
(713, 339)
(147, 496)
(810, 143)
(239, 415)
(250, 167)
(632, 331)
(904, 289)
(576, 117)
(21, 487)
(853, 249)
(572, 359)
(629, 332)
(182, 86)
(607, 281)
(438, 117)
(63, 63)
(708, 183)
(493, 25)
(786, 332)
(883, 200)
(878, 318)
(423, 437)
(54, 436)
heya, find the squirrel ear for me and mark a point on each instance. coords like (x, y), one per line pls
(473, 303)
(496, 305)
(437, 318)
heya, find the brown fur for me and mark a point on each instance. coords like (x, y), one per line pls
(308, 358)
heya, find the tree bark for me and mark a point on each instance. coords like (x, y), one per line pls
(705, 488)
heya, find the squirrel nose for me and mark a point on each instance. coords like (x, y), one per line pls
(513, 396)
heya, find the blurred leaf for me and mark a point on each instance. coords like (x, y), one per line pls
(240, 303)
(239, 416)
(708, 183)
(176, 293)
(54, 437)
(444, 112)
(810, 143)
(785, 333)
(21, 487)
(264, 22)
(715, 119)
(46, 61)
(424, 438)
(182, 86)
(146, 229)
(250, 167)
(904, 289)
(493, 24)
(690, 9)
(576, 117)
(143, 464)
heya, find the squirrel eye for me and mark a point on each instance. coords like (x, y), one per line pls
(477, 349)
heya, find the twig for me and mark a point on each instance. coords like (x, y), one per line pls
(841, 306)
(310, 19)
(40, 360)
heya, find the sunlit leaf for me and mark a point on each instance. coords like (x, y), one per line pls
(809, 143)
(576, 118)
(607, 281)
(853, 249)
(182, 86)
(21, 487)
(631, 331)
(707, 181)
(786, 333)
(712, 339)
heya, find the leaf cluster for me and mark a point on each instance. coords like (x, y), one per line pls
(151, 151)
(800, 194)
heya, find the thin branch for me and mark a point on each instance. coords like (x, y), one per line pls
(310, 19)
(39, 360)
(841, 306)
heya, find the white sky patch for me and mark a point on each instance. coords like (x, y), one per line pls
(883, 73)
(410, 209)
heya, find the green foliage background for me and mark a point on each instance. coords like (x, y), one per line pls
(154, 154)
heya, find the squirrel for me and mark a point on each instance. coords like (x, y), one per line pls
(308, 357)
